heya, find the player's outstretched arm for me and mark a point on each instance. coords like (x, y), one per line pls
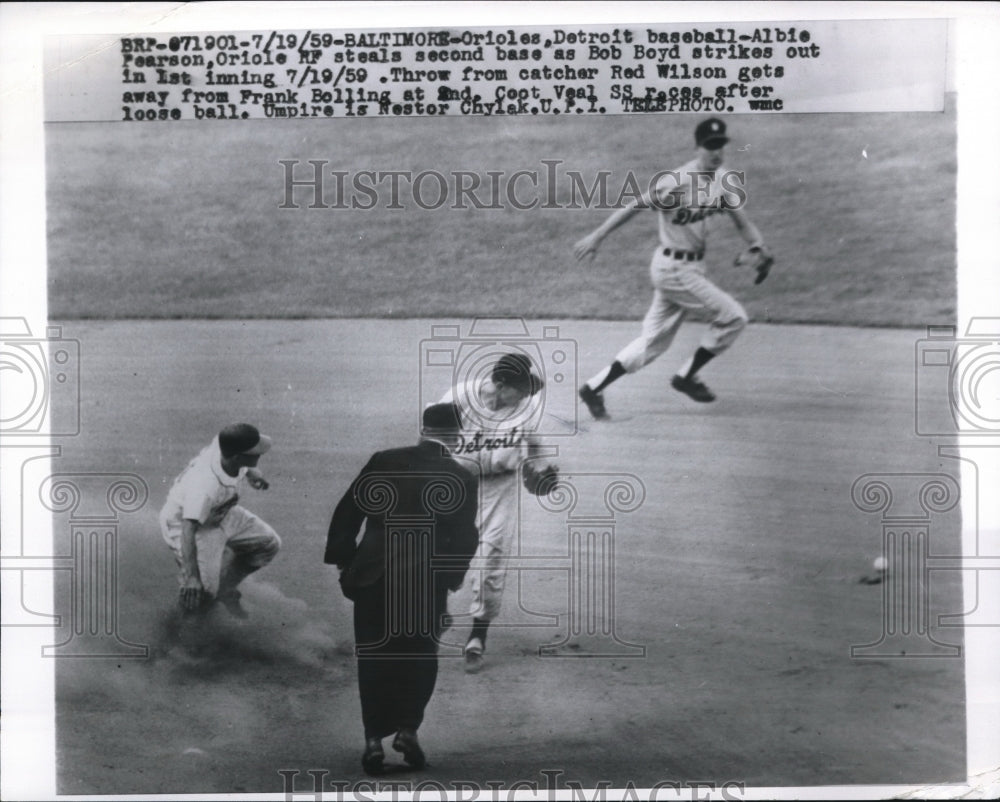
(588, 245)
(758, 256)
(747, 230)
(192, 589)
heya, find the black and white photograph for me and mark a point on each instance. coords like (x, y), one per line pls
(496, 401)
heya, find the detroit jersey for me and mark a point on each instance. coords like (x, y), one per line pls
(494, 448)
(695, 198)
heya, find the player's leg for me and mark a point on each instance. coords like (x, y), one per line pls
(375, 679)
(416, 677)
(488, 579)
(210, 542)
(659, 327)
(728, 320)
(251, 544)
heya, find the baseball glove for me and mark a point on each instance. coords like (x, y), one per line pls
(540, 481)
(759, 258)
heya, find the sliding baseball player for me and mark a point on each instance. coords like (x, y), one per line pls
(216, 542)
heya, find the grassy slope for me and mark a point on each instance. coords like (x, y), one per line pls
(166, 220)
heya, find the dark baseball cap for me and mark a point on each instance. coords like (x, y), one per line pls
(711, 134)
(441, 418)
(242, 438)
(515, 370)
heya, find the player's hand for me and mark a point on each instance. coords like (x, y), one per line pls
(586, 247)
(192, 593)
(257, 482)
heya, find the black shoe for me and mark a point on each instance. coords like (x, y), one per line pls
(594, 402)
(407, 743)
(692, 388)
(372, 761)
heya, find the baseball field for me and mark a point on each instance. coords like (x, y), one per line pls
(721, 649)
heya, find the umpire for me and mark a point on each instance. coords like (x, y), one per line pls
(420, 535)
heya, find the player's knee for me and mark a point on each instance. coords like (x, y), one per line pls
(734, 324)
(490, 610)
(266, 551)
(740, 318)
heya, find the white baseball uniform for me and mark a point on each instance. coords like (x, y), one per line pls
(496, 444)
(677, 270)
(204, 492)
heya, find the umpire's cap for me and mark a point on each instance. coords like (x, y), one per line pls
(441, 419)
(242, 438)
(711, 134)
(515, 370)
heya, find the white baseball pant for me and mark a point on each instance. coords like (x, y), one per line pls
(679, 286)
(489, 571)
(253, 542)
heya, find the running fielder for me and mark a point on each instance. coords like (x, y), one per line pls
(494, 439)
(686, 200)
(216, 542)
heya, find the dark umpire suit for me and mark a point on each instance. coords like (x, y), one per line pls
(420, 506)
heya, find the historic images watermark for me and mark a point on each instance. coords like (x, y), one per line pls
(313, 784)
(318, 184)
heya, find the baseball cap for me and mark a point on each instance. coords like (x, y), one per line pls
(441, 418)
(514, 370)
(242, 438)
(711, 134)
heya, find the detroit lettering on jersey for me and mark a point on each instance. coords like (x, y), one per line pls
(688, 197)
(482, 441)
(685, 216)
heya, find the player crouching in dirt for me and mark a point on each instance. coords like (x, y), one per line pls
(216, 542)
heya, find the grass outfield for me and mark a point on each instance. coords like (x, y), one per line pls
(182, 219)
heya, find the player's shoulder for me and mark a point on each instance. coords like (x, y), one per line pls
(676, 179)
(200, 466)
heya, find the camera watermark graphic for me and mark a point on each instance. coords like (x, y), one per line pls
(958, 380)
(316, 184)
(34, 370)
(461, 367)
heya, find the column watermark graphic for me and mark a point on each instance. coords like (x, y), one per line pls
(957, 408)
(41, 377)
(591, 504)
(94, 504)
(907, 504)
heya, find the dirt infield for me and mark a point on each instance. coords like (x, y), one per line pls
(736, 566)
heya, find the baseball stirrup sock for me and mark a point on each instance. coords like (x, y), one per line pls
(479, 627)
(701, 357)
(606, 376)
